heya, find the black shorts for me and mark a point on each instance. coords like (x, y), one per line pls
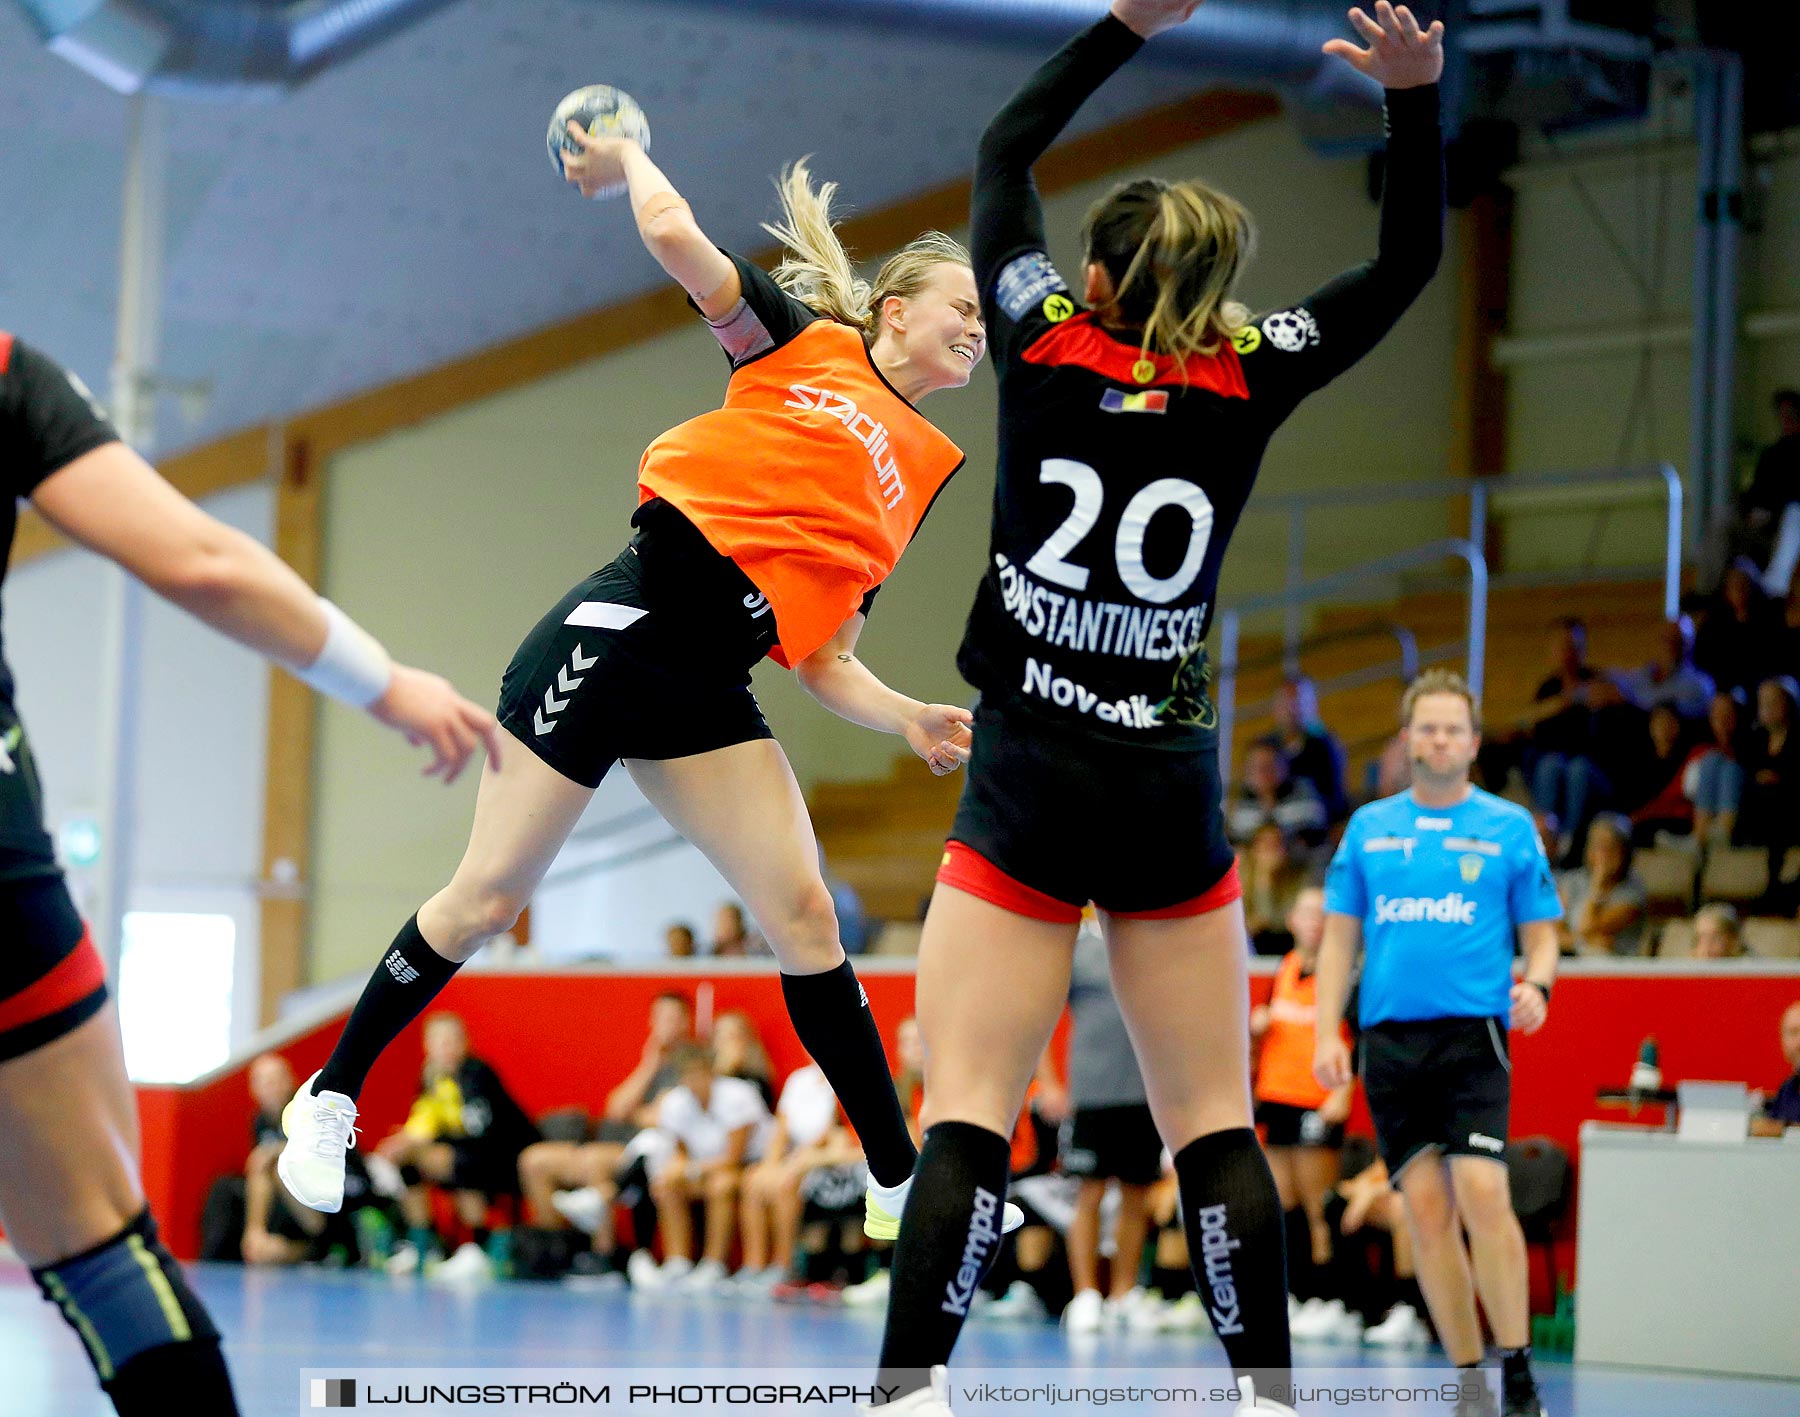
(1443, 1083)
(51, 977)
(649, 657)
(483, 1166)
(1079, 817)
(1113, 1144)
(1286, 1125)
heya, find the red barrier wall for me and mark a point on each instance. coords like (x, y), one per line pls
(567, 1039)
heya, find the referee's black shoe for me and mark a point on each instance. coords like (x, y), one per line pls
(1521, 1397)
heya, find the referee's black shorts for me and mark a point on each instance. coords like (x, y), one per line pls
(1443, 1084)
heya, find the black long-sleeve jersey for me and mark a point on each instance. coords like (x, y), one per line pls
(1119, 482)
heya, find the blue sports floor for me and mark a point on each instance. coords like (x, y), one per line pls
(279, 1322)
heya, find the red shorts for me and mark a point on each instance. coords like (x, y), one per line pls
(968, 870)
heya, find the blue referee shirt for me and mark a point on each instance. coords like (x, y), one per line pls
(1440, 893)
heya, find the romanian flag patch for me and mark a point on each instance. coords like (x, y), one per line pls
(1143, 401)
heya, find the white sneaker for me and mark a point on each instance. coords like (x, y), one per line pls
(673, 1271)
(1402, 1328)
(758, 1283)
(643, 1271)
(405, 1260)
(884, 1205)
(871, 1293)
(1019, 1304)
(1331, 1323)
(1143, 1312)
(583, 1208)
(1186, 1314)
(469, 1265)
(1306, 1313)
(320, 1130)
(702, 1278)
(1086, 1312)
(1293, 1310)
(1251, 1404)
(933, 1401)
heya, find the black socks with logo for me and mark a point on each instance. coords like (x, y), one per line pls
(1235, 1245)
(411, 974)
(948, 1241)
(831, 1015)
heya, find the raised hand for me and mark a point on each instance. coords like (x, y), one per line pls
(1147, 17)
(1400, 55)
(599, 168)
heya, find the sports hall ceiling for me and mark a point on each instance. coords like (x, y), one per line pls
(399, 211)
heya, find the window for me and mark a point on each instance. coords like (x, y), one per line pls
(175, 982)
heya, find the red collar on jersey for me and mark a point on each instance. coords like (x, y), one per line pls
(1079, 341)
(6, 344)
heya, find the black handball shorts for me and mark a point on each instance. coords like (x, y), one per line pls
(51, 977)
(1441, 1083)
(1113, 1144)
(649, 657)
(1070, 814)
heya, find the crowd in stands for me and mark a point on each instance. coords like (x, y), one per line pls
(1689, 762)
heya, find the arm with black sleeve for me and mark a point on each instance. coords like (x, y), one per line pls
(1006, 216)
(1311, 343)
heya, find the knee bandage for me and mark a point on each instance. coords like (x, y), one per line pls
(125, 1297)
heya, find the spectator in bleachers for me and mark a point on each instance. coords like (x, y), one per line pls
(1671, 678)
(708, 1128)
(1389, 773)
(1714, 776)
(1740, 630)
(732, 936)
(1785, 657)
(855, 931)
(1271, 879)
(1766, 818)
(679, 941)
(808, 1134)
(567, 1181)
(1565, 780)
(1384, 1295)
(1654, 787)
(1268, 794)
(1718, 933)
(738, 1052)
(1783, 1109)
(1313, 751)
(1302, 1123)
(1604, 901)
(1766, 507)
(465, 1133)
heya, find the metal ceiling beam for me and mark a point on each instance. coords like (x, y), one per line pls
(1276, 42)
(231, 49)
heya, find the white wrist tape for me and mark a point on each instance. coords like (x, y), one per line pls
(352, 667)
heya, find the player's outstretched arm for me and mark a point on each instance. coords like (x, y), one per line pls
(938, 733)
(114, 503)
(664, 219)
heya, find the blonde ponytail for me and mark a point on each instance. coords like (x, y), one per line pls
(1174, 251)
(817, 271)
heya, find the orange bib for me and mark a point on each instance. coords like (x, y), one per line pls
(813, 478)
(1284, 1071)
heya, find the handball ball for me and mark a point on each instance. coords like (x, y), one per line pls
(605, 112)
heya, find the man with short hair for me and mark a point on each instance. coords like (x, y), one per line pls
(1433, 885)
(1783, 1109)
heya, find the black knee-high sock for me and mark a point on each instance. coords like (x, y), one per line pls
(411, 974)
(1234, 1230)
(145, 1386)
(831, 1014)
(947, 1243)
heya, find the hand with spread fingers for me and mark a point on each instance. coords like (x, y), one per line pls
(1400, 54)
